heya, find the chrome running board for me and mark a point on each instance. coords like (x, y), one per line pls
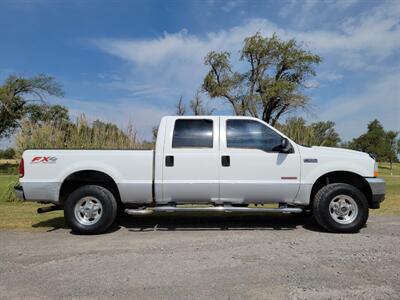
(225, 209)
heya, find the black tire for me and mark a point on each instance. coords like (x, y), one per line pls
(108, 210)
(322, 212)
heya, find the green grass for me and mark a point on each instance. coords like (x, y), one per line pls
(391, 205)
(23, 216)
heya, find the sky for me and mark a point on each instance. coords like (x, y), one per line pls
(130, 61)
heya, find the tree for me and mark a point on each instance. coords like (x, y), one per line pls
(325, 134)
(398, 146)
(154, 133)
(274, 82)
(319, 134)
(377, 141)
(180, 107)
(392, 151)
(199, 108)
(38, 113)
(15, 93)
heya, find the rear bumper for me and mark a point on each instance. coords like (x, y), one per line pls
(19, 192)
(378, 188)
(44, 192)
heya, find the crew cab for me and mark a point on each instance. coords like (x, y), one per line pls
(225, 163)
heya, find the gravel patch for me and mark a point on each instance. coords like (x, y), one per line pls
(258, 257)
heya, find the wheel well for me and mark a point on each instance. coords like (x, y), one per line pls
(342, 177)
(87, 177)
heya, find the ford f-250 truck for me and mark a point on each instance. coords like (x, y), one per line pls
(227, 163)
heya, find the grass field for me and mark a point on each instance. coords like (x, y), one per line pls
(23, 216)
(391, 205)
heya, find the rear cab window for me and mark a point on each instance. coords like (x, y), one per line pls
(193, 133)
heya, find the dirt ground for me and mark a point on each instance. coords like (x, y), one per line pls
(167, 257)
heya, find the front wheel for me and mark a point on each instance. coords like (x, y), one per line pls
(340, 207)
(90, 209)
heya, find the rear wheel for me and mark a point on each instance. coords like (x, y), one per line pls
(90, 209)
(340, 207)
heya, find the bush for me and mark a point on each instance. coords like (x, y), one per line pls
(8, 194)
(78, 135)
(8, 153)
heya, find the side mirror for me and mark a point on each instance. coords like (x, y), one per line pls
(285, 145)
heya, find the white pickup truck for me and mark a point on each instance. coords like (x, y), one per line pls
(227, 164)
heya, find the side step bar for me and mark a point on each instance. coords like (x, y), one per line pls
(225, 209)
(42, 210)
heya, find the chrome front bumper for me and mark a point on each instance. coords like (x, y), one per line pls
(378, 188)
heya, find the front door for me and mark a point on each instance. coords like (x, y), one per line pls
(252, 168)
(191, 160)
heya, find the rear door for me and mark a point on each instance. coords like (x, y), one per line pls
(191, 160)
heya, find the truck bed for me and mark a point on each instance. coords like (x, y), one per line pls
(131, 170)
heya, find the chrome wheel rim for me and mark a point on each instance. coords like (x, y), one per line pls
(343, 209)
(88, 210)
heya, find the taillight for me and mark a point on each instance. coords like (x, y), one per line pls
(21, 168)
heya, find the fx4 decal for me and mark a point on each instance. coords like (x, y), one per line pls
(44, 160)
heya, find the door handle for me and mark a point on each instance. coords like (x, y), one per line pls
(169, 161)
(226, 160)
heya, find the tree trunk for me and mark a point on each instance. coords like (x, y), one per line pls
(391, 167)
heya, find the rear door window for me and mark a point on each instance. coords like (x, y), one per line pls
(193, 133)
